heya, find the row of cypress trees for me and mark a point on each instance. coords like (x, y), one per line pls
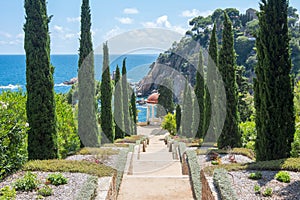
(40, 104)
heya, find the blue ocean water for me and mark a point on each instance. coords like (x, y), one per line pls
(13, 71)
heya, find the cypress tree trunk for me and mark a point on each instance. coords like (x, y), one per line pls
(118, 106)
(275, 121)
(178, 118)
(187, 112)
(230, 135)
(40, 104)
(125, 96)
(211, 82)
(87, 120)
(106, 99)
(134, 113)
(199, 92)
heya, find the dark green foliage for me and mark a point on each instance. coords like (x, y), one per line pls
(187, 113)
(13, 136)
(245, 105)
(27, 183)
(275, 120)
(165, 99)
(57, 179)
(67, 137)
(87, 121)
(230, 135)
(178, 118)
(243, 47)
(40, 105)
(133, 112)
(199, 111)
(223, 183)
(125, 100)
(106, 99)
(118, 106)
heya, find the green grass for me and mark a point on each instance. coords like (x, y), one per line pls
(289, 164)
(97, 151)
(69, 166)
(124, 145)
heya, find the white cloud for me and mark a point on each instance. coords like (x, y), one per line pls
(163, 22)
(20, 36)
(73, 19)
(195, 13)
(130, 11)
(5, 34)
(70, 36)
(113, 32)
(125, 20)
(58, 28)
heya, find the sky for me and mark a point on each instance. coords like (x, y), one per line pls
(109, 19)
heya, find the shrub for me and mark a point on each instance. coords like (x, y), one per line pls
(283, 177)
(255, 176)
(13, 137)
(223, 184)
(248, 131)
(268, 192)
(45, 191)
(57, 179)
(67, 137)
(257, 189)
(194, 173)
(88, 189)
(122, 158)
(7, 193)
(169, 123)
(27, 183)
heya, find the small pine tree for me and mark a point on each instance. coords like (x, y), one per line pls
(40, 106)
(125, 100)
(199, 92)
(178, 118)
(230, 135)
(118, 106)
(134, 113)
(187, 113)
(106, 99)
(87, 120)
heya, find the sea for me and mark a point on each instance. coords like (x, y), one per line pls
(13, 71)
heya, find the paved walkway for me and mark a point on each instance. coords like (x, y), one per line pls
(154, 174)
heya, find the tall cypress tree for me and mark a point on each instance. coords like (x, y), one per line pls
(178, 118)
(87, 120)
(118, 106)
(199, 92)
(230, 135)
(106, 99)
(40, 104)
(125, 99)
(275, 122)
(165, 99)
(212, 83)
(133, 113)
(187, 112)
